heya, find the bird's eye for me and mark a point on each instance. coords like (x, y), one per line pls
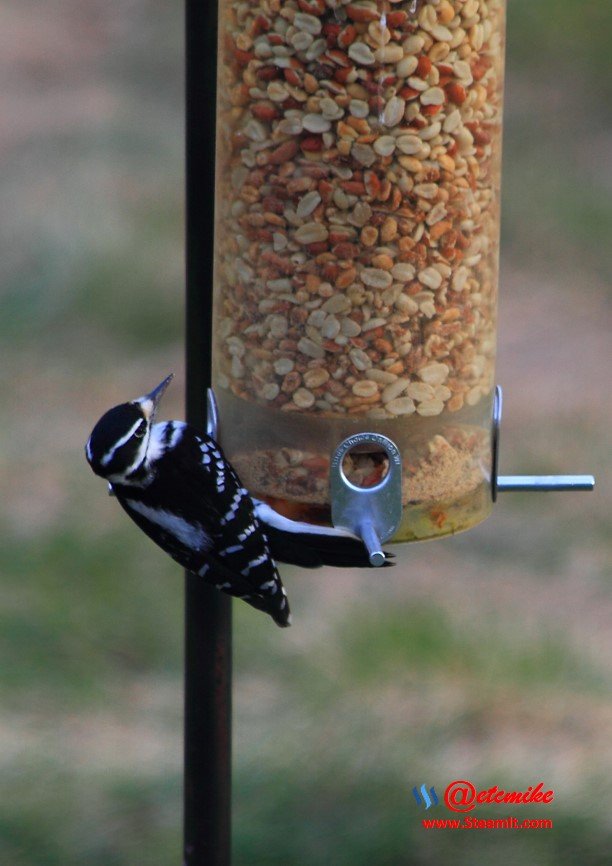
(141, 430)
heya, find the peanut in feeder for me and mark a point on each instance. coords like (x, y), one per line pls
(356, 251)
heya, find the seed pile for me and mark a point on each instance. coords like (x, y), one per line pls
(435, 470)
(357, 206)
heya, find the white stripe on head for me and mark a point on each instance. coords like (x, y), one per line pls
(120, 442)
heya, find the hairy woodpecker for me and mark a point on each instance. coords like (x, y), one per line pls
(178, 487)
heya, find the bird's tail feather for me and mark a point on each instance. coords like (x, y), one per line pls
(311, 546)
(280, 613)
(270, 598)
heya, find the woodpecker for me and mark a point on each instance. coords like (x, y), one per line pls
(178, 487)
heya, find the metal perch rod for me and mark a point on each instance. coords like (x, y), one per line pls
(544, 483)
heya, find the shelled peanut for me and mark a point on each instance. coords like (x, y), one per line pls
(436, 469)
(357, 204)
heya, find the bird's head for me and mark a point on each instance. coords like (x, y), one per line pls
(117, 447)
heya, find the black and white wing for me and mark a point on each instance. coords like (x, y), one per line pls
(196, 509)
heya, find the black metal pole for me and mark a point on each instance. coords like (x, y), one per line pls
(207, 754)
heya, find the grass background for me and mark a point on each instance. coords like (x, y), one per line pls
(485, 656)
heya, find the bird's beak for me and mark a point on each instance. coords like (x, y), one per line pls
(151, 400)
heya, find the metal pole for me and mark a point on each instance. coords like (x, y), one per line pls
(207, 752)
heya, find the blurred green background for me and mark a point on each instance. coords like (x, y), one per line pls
(485, 657)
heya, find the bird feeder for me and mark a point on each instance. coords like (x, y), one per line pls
(356, 260)
(343, 178)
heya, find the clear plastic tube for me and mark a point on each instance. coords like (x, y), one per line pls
(357, 236)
